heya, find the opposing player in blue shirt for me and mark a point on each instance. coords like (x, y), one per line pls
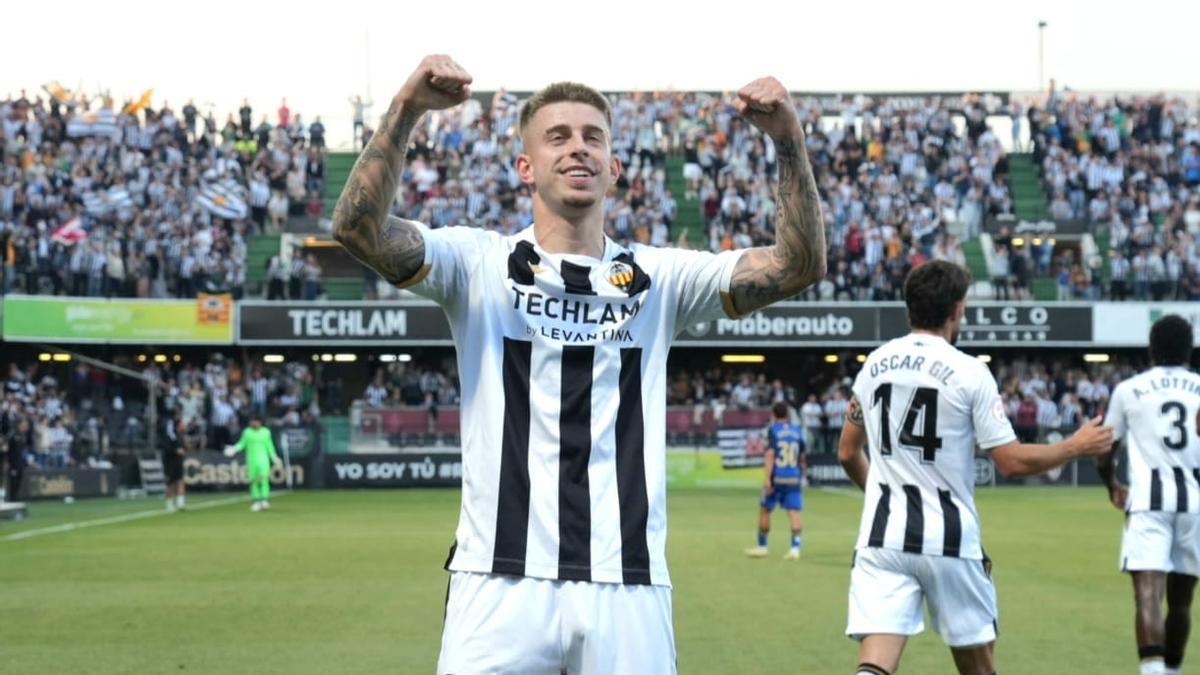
(785, 465)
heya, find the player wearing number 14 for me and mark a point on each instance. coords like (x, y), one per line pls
(921, 406)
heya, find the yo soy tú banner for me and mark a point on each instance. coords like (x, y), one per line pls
(442, 469)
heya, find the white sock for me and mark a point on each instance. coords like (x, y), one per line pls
(1153, 667)
(180, 501)
(1172, 671)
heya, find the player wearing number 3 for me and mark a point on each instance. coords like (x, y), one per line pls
(1160, 549)
(921, 406)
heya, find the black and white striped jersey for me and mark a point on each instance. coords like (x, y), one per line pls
(926, 405)
(1155, 414)
(562, 361)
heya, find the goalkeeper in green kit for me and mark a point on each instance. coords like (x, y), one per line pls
(260, 456)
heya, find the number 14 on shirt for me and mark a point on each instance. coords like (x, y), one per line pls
(923, 405)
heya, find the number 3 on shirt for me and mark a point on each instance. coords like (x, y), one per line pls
(924, 399)
(1178, 439)
(789, 454)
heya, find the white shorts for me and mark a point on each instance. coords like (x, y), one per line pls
(887, 589)
(1161, 541)
(521, 625)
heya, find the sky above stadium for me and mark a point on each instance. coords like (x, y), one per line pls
(317, 55)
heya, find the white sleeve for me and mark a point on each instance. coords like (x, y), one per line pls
(858, 393)
(1115, 416)
(992, 426)
(450, 255)
(700, 281)
(856, 389)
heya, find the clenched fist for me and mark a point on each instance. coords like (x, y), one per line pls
(437, 83)
(766, 104)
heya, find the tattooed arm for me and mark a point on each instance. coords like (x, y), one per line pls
(852, 445)
(392, 246)
(797, 260)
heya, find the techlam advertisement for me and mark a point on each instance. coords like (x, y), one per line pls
(342, 323)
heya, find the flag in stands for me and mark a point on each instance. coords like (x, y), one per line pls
(103, 202)
(69, 232)
(102, 122)
(224, 199)
(135, 107)
(58, 92)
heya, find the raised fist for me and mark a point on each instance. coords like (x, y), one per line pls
(437, 83)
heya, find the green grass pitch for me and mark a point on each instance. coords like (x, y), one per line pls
(351, 582)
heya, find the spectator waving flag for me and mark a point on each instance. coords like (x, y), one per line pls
(224, 199)
(69, 232)
(135, 107)
(59, 92)
(103, 202)
(100, 123)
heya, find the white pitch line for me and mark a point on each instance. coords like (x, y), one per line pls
(124, 518)
(845, 492)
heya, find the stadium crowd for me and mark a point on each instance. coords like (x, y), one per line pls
(219, 398)
(410, 384)
(43, 423)
(141, 201)
(88, 415)
(1129, 166)
(901, 181)
(892, 179)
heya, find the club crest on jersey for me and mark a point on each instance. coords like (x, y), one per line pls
(620, 275)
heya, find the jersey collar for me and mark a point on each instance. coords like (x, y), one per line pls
(928, 337)
(611, 250)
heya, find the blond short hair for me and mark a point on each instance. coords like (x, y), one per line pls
(565, 92)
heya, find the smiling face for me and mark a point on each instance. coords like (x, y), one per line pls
(568, 158)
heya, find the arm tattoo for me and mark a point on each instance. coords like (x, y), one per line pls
(855, 414)
(797, 260)
(393, 247)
